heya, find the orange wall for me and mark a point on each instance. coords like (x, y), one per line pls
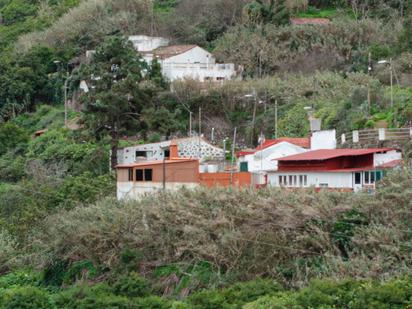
(243, 179)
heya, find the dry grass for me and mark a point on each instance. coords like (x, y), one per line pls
(289, 236)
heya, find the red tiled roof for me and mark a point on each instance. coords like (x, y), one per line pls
(303, 142)
(155, 162)
(324, 154)
(244, 153)
(298, 141)
(309, 21)
(173, 50)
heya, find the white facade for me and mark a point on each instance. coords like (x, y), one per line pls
(133, 190)
(144, 43)
(342, 180)
(325, 139)
(197, 64)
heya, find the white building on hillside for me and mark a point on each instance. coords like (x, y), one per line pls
(183, 61)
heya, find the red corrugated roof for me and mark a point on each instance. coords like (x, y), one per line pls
(324, 154)
(244, 153)
(155, 162)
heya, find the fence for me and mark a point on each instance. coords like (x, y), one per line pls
(376, 137)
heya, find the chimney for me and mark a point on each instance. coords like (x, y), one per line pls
(174, 152)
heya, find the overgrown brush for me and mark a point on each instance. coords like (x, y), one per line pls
(290, 236)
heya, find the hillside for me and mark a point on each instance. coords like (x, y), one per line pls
(66, 243)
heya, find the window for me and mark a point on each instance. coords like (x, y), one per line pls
(323, 185)
(305, 180)
(378, 175)
(280, 180)
(148, 175)
(295, 181)
(166, 153)
(285, 180)
(290, 180)
(244, 166)
(141, 154)
(366, 177)
(300, 180)
(139, 175)
(358, 179)
(130, 174)
(370, 177)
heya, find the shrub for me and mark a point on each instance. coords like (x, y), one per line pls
(26, 298)
(21, 278)
(131, 285)
(8, 251)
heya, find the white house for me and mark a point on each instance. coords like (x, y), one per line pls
(341, 169)
(190, 61)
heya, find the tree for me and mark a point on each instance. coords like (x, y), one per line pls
(119, 91)
(274, 12)
(405, 38)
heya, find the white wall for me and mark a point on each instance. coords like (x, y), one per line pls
(325, 139)
(197, 64)
(334, 180)
(134, 190)
(144, 43)
(381, 158)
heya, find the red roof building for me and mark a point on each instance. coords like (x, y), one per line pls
(346, 169)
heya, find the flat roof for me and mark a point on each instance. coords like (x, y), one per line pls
(325, 154)
(156, 162)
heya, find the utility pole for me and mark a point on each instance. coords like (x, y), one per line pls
(391, 68)
(164, 173)
(224, 154)
(276, 118)
(200, 132)
(233, 156)
(65, 97)
(190, 124)
(369, 90)
(254, 118)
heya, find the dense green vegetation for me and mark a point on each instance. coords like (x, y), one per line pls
(66, 243)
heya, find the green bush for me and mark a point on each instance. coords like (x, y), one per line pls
(131, 285)
(26, 298)
(234, 296)
(21, 278)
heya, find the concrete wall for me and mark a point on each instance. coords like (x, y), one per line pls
(133, 190)
(325, 139)
(381, 158)
(242, 179)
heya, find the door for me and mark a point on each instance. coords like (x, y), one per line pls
(357, 181)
